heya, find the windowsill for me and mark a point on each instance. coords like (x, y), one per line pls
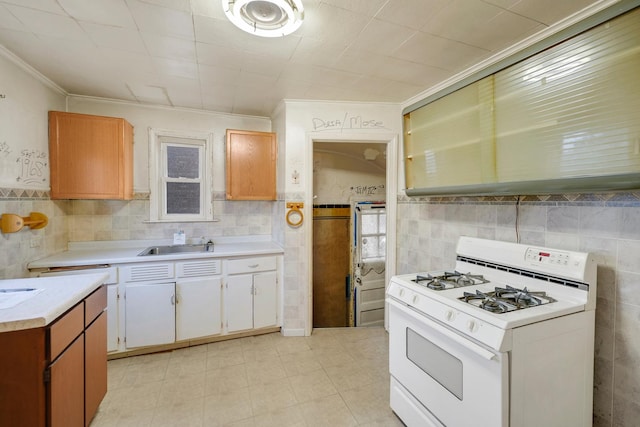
(154, 221)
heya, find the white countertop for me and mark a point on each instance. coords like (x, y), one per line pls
(124, 252)
(53, 297)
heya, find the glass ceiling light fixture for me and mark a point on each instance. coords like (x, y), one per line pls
(265, 18)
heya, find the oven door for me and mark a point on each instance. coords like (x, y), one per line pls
(446, 379)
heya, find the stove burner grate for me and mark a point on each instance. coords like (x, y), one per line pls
(503, 300)
(449, 280)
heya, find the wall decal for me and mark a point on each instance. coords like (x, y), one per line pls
(32, 164)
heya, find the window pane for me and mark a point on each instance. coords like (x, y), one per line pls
(373, 247)
(369, 247)
(382, 247)
(183, 162)
(369, 224)
(183, 198)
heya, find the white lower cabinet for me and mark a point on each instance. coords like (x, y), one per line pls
(159, 303)
(198, 307)
(251, 299)
(265, 300)
(113, 308)
(150, 315)
(238, 302)
(112, 317)
(198, 291)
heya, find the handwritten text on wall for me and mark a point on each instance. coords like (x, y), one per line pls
(347, 122)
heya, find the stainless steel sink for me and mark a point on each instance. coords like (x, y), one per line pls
(176, 249)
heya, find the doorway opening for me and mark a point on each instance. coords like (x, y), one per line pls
(349, 233)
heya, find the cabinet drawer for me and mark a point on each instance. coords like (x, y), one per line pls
(95, 304)
(65, 330)
(251, 265)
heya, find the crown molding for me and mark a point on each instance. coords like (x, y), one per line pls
(31, 71)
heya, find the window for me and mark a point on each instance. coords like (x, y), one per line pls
(373, 239)
(180, 171)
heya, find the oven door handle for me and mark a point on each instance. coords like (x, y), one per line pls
(419, 316)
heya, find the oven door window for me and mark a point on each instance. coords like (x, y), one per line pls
(435, 362)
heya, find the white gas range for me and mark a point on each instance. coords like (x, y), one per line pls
(506, 339)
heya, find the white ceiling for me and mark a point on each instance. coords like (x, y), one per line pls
(185, 53)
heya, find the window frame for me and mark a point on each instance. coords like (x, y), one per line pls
(159, 139)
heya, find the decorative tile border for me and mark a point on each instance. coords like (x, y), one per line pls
(330, 206)
(620, 199)
(29, 194)
(23, 194)
(623, 199)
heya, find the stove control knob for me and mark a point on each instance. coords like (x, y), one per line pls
(472, 325)
(415, 299)
(401, 293)
(449, 315)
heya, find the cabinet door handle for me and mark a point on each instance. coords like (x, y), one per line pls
(253, 265)
(173, 300)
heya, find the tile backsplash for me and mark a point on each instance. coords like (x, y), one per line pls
(128, 220)
(21, 247)
(605, 225)
(105, 220)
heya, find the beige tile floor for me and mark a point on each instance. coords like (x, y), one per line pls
(335, 377)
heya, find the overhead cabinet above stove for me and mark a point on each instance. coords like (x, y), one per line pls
(563, 119)
(91, 157)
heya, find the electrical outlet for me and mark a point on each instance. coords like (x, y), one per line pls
(35, 242)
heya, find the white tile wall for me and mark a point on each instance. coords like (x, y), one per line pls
(89, 220)
(611, 232)
(26, 245)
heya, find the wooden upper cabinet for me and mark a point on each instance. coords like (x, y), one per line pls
(91, 157)
(251, 165)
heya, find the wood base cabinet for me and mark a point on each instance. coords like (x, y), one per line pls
(66, 387)
(95, 377)
(56, 376)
